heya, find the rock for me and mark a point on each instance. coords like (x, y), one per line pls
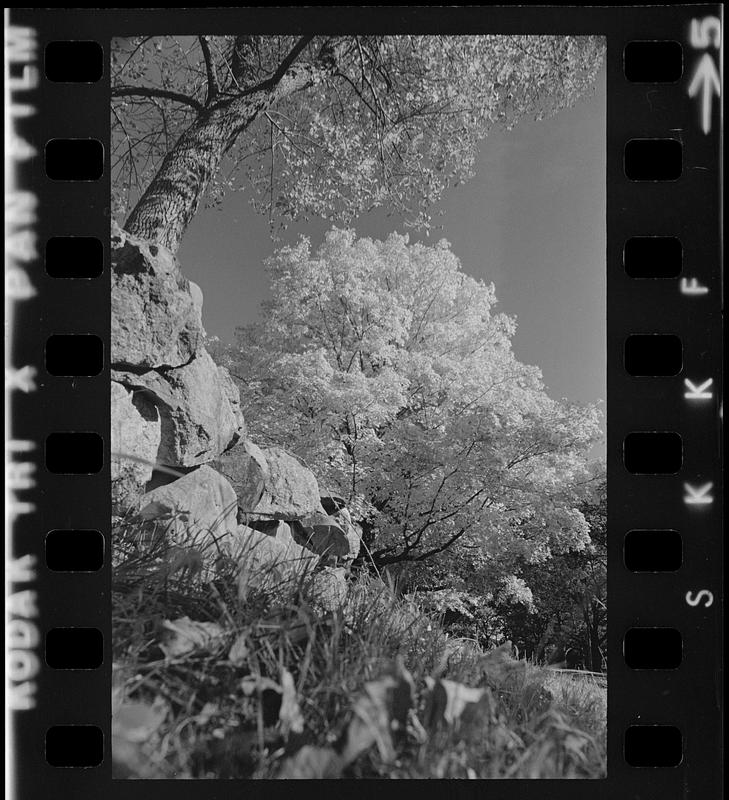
(327, 589)
(162, 475)
(197, 510)
(323, 535)
(268, 562)
(335, 507)
(273, 484)
(291, 491)
(332, 503)
(197, 296)
(155, 312)
(276, 528)
(198, 421)
(230, 390)
(352, 532)
(245, 467)
(135, 440)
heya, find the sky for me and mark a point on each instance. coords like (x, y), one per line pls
(532, 221)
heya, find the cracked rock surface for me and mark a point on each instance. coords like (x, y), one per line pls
(135, 440)
(156, 313)
(198, 421)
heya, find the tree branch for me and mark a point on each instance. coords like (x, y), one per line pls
(283, 67)
(213, 87)
(281, 70)
(164, 94)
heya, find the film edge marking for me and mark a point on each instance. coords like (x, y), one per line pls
(22, 632)
(698, 392)
(698, 495)
(702, 594)
(705, 81)
(22, 635)
(692, 287)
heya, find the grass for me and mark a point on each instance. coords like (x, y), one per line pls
(196, 713)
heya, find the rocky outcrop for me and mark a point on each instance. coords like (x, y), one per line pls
(290, 490)
(352, 533)
(268, 562)
(155, 312)
(198, 420)
(197, 510)
(273, 561)
(135, 440)
(182, 462)
(246, 468)
(184, 410)
(332, 503)
(335, 506)
(232, 395)
(323, 535)
(273, 484)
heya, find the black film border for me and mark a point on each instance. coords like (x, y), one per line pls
(687, 305)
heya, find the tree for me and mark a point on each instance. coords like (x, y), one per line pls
(384, 366)
(569, 593)
(320, 125)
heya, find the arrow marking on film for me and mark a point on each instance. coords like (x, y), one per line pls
(705, 80)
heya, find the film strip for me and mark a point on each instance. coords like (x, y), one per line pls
(664, 332)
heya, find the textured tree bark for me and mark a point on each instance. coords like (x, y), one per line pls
(174, 195)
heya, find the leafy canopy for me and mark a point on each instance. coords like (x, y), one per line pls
(370, 120)
(386, 367)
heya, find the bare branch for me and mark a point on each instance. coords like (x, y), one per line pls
(164, 94)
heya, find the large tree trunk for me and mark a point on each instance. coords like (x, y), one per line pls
(173, 197)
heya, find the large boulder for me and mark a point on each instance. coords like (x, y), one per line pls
(290, 491)
(272, 485)
(324, 535)
(135, 439)
(269, 562)
(155, 312)
(246, 468)
(198, 420)
(197, 510)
